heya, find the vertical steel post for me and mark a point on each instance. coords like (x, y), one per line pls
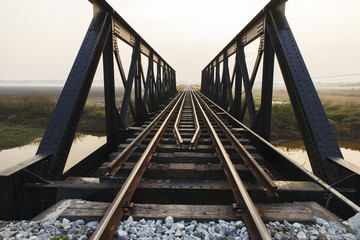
(113, 120)
(138, 90)
(262, 121)
(252, 79)
(61, 129)
(147, 91)
(165, 82)
(235, 108)
(217, 89)
(225, 83)
(158, 84)
(247, 84)
(173, 82)
(212, 81)
(123, 77)
(141, 112)
(313, 123)
(129, 82)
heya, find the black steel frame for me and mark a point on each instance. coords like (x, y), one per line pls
(32, 186)
(276, 39)
(106, 28)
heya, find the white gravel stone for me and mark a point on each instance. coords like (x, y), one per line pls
(169, 221)
(80, 222)
(320, 221)
(34, 238)
(122, 235)
(296, 225)
(301, 235)
(354, 223)
(314, 232)
(287, 224)
(168, 229)
(331, 231)
(92, 224)
(349, 236)
(83, 237)
(178, 233)
(66, 224)
(190, 228)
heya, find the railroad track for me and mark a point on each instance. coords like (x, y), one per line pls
(186, 159)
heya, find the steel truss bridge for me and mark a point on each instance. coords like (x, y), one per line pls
(197, 141)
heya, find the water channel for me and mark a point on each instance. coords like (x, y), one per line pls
(82, 146)
(295, 149)
(85, 144)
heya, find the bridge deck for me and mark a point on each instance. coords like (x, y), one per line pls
(188, 154)
(158, 172)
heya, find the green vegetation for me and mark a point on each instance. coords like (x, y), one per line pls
(92, 120)
(59, 238)
(283, 122)
(181, 87)
(30, 110)
(22, 120)
(14, 135)
(196, 87)
(344, 119)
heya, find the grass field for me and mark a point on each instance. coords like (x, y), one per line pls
(15, 135)
(24, 118)
(341, 106)
(181, 87)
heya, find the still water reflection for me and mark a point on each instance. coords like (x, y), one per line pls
(86, 144)
(83, 145)
(295, 149)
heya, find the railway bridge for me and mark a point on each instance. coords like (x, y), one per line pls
(186, 153)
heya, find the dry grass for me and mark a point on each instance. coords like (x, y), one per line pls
(341, 106)
(182, 86)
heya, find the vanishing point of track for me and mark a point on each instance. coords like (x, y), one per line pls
(192, 124)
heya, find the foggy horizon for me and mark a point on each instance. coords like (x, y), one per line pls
(188, 39)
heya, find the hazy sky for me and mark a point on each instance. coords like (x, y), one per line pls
(40, 38)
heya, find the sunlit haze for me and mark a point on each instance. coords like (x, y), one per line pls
(40, 38)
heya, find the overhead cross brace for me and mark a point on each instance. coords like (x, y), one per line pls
(276, 38)
(101, 37)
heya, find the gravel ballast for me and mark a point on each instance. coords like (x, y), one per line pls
(169, 229)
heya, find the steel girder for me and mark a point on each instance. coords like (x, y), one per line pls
(105, 30)
(61, 129)
(276, 38)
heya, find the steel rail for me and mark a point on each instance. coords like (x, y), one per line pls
(197, 133)
(119, 206)
(177, 135)
(306, 173)
(253, 221)
(255, 168)
(116, 164)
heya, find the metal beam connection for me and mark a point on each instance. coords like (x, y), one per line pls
(142, 97)
(106, 29)
(275, 39)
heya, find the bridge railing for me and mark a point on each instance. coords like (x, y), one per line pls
(275, 39)
(144, 91)
(106, 28)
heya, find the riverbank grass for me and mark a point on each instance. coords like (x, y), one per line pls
(24, 119)
(15, 135)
